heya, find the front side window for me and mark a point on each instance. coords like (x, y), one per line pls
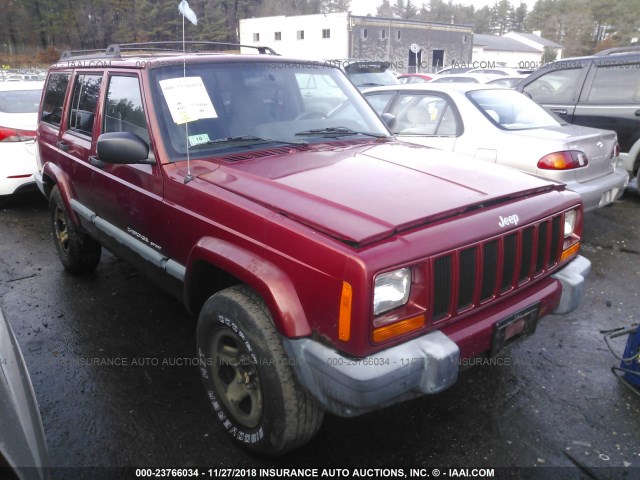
(124, 110)
(86, 92)
(53, 100)
(557, 86)
(379, 101)
(511, 110)
(423, 114)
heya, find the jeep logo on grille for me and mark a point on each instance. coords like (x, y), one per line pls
(510, 220)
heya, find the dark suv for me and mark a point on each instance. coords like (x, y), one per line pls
(331, 267)
(601, 91)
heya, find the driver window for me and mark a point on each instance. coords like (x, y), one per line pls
(123, 109)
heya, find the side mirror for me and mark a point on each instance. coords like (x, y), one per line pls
(389, 120)
(122, 148)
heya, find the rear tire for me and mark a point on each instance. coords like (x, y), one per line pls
(248, 375)
(78, 252)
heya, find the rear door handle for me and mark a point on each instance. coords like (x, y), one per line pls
(559, 111)
(637, 113)
(64, 146)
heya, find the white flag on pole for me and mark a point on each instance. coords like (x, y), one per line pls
(187, 12)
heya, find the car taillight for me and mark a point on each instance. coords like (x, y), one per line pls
(616, 150)
(563, 160)
(16, 135)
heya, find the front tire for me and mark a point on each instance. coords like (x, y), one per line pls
(78, 252)
(248, 376)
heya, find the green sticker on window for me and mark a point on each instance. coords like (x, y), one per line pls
(198, 139)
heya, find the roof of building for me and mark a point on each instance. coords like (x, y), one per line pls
(493, 42)
(398, 21)
(535, 38)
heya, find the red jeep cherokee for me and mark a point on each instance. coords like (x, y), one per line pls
(331, 266)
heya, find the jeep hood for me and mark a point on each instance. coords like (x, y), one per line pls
(364, 193)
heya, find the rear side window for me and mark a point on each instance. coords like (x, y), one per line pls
(124, 111)
(557, 86)
(84, 100)
(53, 100)
(616, 84)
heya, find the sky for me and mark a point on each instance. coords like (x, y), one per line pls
(363, 7)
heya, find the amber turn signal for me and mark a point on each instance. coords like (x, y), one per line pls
(573, 249)
(344, 319)
(399, 328)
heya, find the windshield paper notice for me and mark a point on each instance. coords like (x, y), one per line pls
(187, 99)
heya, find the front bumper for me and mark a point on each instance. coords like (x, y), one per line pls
(350, 387)
(572, 277)
(425, 365)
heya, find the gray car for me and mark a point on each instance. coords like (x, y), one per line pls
(503, 126)
(23, 449)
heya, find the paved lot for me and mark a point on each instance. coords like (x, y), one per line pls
(551, 402)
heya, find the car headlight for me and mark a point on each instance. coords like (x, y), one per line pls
(569, 223)
(391, 290)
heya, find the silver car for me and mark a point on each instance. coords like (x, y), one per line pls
(503, 126)
(23, 449)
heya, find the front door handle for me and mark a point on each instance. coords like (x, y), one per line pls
(64, 146)
(96, 162)
(637, 113)
(559, 111)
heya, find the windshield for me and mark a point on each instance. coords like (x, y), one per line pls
(242, 105)
(20, 101)
(511, 110)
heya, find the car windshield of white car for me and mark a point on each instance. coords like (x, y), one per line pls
(20, 101)
(511, 110)
(229, 106)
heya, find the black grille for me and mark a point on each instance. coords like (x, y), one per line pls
(484, 271)
(442, 296)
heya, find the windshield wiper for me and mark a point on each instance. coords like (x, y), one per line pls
(243, 139)
(330, 132)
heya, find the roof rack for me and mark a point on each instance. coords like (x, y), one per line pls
(611, 51)
(116, 50)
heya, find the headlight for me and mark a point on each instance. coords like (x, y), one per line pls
(569, 222)
(391, 290)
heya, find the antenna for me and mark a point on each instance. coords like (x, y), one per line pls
(185, 11)
(188, 178)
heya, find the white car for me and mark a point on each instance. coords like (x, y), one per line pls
(19, 103)
(465, 78)
(503, 126)
(502, 71)
(509, 82)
